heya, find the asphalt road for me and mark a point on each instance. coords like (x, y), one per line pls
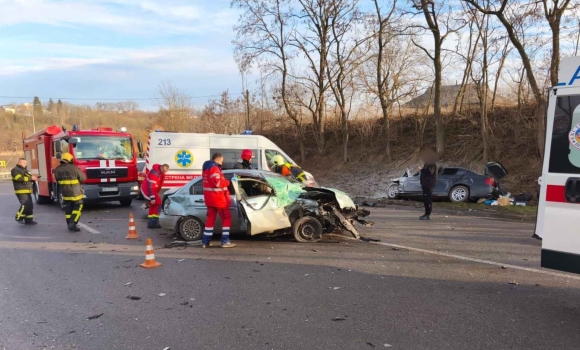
(425, 285)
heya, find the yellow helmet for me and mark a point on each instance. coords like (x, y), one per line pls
(277, 160)
(67, 157)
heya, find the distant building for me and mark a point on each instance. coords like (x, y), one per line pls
(8, 109)
(449, 94)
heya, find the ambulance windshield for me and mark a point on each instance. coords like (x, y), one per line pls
(103, 147)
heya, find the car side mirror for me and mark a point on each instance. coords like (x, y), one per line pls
(58, 155)
(140, 148)
(58, 147)
(73, 141)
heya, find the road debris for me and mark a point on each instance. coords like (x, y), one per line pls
(132, 297)
(366, 239)
(387, 345)
(339, 319)
(371, 344)
(184, 303)
(128, 284)
(180, 260)
(315, 250)
(504, 267)
(94, 317)
(514, 283)
(162, 294)
(39, 322)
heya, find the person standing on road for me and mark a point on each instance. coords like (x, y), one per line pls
(217, 199)
(22, 181)
(428, 180)
(69, 178)
(150, 189)
(246, 160)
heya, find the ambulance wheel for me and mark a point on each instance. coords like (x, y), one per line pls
(191, 228)
(307, 229)
(40, 199)
(126, 202)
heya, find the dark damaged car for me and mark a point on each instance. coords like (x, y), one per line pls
(264, 203)
(455, 184)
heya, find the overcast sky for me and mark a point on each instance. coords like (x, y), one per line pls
(98, 49)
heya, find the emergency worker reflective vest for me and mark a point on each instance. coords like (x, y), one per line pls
(69, 179)
(295, 171)
(215, 186)
(21, 179)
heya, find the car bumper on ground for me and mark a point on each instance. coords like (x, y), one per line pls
(168, 222)
(110, 192)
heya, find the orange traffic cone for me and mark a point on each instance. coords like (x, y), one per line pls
(132, 230)
(149, 256)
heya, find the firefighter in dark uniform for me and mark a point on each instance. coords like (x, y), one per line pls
(23, 180)
(69, 179)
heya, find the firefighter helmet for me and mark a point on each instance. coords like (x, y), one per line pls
(67, 157)
(277, 160)
(247, 154)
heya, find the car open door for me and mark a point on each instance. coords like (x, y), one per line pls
(260, 210)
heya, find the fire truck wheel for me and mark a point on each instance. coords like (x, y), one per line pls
(126, 202)
(59, 199)
(40, 199)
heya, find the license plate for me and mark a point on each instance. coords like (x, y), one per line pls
(109, 189)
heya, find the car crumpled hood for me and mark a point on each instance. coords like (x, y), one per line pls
(344, 201)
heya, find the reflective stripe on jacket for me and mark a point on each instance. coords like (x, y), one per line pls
(69, 178)
(21, 179)
(294, 171)
(215, 186)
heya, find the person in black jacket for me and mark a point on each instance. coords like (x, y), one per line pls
(69, 179)
(246, 160)
(428, 180)
(22, 181)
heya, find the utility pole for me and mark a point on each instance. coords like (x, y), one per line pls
(248, 110)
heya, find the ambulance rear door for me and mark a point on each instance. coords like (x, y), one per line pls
(559, 206)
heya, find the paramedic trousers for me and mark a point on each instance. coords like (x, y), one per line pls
(73, 211)
(226, 217)
(153, 214)
(25, 210)
(427, 199)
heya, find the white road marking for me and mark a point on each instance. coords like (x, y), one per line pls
(515, 267)
(86, 227)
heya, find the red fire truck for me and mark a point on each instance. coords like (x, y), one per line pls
(106, 156)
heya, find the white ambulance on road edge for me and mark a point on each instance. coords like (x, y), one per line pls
(559, 207)
(186, 152)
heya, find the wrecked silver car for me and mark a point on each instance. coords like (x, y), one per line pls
(264, 202)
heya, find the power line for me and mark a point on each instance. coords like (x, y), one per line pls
(112, 99)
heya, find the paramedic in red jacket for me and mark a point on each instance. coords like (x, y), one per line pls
(150, 189)
(217, 200)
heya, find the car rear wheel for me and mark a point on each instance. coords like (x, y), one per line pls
(191, 228)
(459, 194)
(307, 229)
(393, 191)
(126, 202)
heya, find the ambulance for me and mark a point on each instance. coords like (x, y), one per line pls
(185, 154)
(559, 205)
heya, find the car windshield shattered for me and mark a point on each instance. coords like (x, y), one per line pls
(266, 202)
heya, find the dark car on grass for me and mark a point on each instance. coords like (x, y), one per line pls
(453, 183)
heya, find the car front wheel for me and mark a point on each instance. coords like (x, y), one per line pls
(307, 229)
(459, 194)
(191, 228)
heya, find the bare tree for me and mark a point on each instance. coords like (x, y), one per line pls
(264, 32)
(441, 24)
(345, 58)
(512, 13)
(174, 107)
